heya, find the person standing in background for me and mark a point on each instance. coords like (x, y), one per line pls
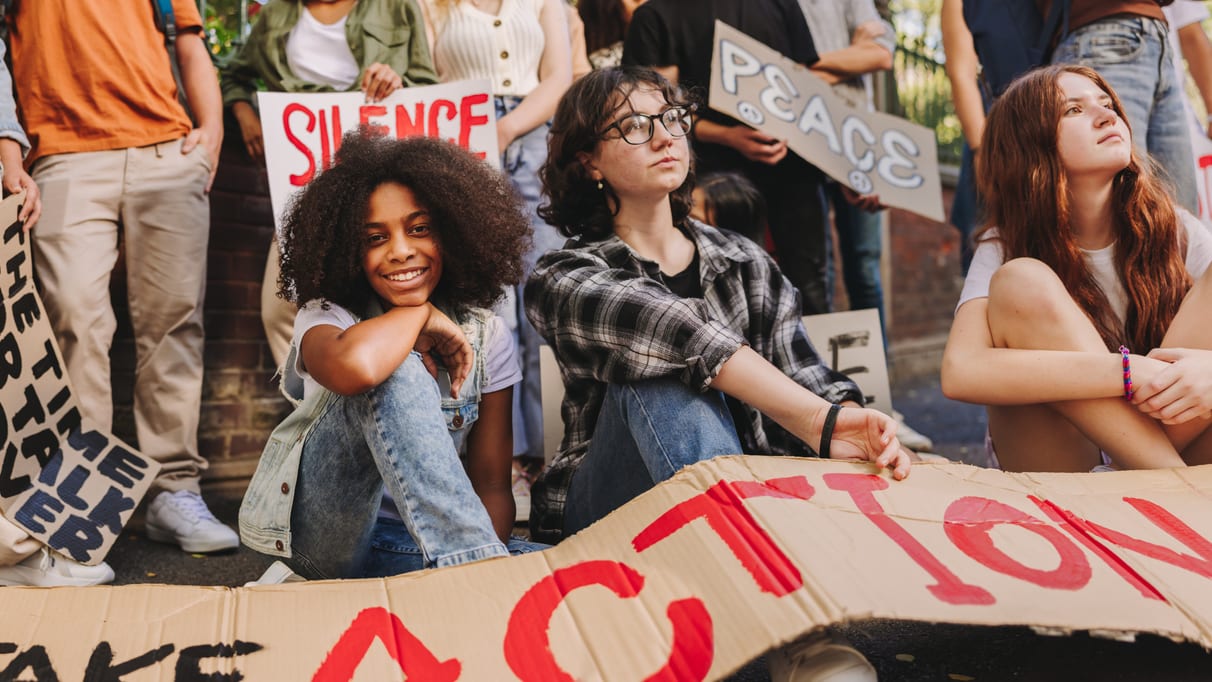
(117, 155)
(1191, 43)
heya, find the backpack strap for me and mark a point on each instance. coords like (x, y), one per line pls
(166, 23)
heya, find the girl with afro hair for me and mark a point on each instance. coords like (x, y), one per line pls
(398, 456)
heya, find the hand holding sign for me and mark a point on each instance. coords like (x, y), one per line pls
(302, 131)
(69, 485)
(872, 153)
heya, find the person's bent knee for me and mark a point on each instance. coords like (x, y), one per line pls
(1027, 287)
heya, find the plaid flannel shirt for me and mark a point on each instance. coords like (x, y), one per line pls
(610, 319)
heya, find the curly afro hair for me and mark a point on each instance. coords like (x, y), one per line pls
(477, 220)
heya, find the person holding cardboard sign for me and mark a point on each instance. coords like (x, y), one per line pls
(1082, 322)
(394, 254)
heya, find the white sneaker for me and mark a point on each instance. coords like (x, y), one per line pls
(521, 493)
(45, 568)
(182, 518)
(820, 657)
(909, 437)
(278, 573)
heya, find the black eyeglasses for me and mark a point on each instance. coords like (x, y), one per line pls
(638, 128)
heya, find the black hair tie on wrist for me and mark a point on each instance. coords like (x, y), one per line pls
(827, 431)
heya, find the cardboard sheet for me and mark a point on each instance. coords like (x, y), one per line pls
(63, 479)
(687, 582)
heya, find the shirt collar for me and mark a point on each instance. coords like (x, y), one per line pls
(716, 251)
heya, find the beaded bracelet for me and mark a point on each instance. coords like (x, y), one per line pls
(1128, 392)
(827, 431)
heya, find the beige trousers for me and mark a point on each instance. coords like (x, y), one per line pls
(153, 199)
(277, 314)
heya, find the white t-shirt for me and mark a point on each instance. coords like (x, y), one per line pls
(988, 258)
(320, 53)
(500, 362)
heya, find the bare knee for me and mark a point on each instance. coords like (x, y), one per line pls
(1027, 290)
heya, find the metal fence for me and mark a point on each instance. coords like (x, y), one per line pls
(924, 94)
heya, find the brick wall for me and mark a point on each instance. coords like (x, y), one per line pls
(924, 272)
(240, 402)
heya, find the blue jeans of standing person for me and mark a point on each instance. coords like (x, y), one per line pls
(521, 162)
(858, 235)
(1133, 54)
(646, 432)
(394, 436)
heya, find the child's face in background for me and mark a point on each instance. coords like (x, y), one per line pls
(402, 260)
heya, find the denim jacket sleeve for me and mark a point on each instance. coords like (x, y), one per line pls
(10, 126)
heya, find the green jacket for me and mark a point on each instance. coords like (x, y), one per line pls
(391, 32)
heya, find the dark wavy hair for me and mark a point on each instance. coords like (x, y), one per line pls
(605, 24)
(477, 221)
(575, 205)
(1026, 194)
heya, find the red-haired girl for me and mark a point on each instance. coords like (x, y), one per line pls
(1082, 318)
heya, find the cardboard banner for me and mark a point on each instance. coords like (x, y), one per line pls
(63, 480)
(869, 152)
(689, 581)
(302, 131)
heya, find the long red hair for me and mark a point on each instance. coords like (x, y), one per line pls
(1026, 194)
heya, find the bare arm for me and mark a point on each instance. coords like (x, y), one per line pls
(490, 459)
(555, 75)
(863, 55)
(962, 65)
(860, 434)
(202, 89)
(976, 371)
(355, 360)
(1197, 50)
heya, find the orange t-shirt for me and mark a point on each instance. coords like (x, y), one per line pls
(92, 76)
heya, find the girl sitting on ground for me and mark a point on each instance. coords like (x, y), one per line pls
(677, 342)
(394, 255)
(647, 305)
(1084, 311)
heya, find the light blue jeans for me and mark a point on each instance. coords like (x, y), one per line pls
(394, 435)
(521, 162)
(1134, 55)
(646, 432)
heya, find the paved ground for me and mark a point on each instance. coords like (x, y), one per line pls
(902, 651)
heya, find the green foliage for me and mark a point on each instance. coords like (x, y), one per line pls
(922, 85)
(222, 24)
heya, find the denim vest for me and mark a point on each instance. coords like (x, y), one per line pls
(266, 509)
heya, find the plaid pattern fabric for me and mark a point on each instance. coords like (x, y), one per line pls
(610, 319)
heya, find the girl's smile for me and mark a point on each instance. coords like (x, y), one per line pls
(402, 260)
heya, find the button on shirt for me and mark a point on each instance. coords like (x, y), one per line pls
(610, 319)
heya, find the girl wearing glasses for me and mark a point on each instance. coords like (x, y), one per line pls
(677, 342)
